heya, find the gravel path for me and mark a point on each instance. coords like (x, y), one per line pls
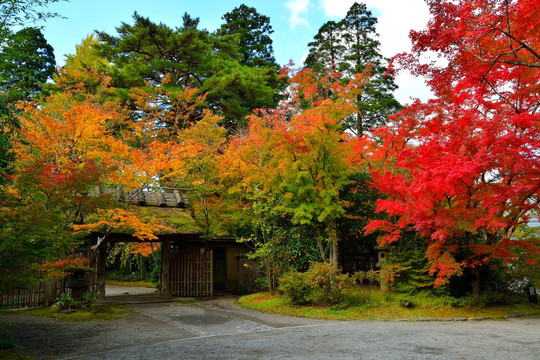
(218, 329)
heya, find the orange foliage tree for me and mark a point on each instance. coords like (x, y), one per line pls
(68, 152)
(295, 156)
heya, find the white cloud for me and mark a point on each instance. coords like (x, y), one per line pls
(396, 18)
(298, 8)
(337, 8)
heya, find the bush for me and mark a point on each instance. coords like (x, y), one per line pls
(101, 309)
(490, 298)
(64, 302)
(321, 284)
(296, 287)
(89, 299)
(328, 283)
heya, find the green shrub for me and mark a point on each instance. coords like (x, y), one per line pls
(490, 298)
(64, 302)
(406, 269)
(321, 284)
(370, 277)
(328, 283)
(101, 309)
(296, 287)
(406, 302)
(89, 299)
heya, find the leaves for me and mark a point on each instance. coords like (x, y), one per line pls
(465, 173)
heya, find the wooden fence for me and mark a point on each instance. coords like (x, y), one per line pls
(191, 273)
(35, 296)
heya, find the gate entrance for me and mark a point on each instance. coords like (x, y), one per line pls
(191, 272)
(219, 267)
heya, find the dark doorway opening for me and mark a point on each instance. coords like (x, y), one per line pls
(219, 269)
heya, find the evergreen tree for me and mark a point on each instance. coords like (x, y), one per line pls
(26, 63)
(326, 51)
(187, 57)
(350, 46)
(254, 32)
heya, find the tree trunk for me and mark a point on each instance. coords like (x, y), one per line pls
(320, 245)
(333, 239)
(475, 283)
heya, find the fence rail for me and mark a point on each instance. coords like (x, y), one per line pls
(35, 296)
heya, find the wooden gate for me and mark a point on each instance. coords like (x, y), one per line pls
(191, 272)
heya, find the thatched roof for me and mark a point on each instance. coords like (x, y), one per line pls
(160, 197)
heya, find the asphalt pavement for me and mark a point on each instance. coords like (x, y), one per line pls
(219, 329)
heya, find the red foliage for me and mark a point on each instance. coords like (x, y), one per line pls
(464, 170)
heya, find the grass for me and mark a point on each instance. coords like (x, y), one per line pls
(116, 312)
(187, 301)
(381, 306)
(13, 354)
(140, 283)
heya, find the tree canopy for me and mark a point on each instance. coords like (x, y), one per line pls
(350, 46)
(466, 174)
(188, 57)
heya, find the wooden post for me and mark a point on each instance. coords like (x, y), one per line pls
(211, 273)
(165, 289)
(100, 270)
(48, 293)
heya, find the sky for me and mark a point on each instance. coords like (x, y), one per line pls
(295, 23)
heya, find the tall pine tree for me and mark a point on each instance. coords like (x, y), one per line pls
(254, 32)
(188, 57)
(350, 46)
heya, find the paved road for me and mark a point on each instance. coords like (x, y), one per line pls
(220, 330)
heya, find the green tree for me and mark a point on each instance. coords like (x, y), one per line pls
(296, 155)
(350, 47)
(21, 12)
(254, 31)
(26, 63)
(147, 53)
(376, 102)
(326, 49)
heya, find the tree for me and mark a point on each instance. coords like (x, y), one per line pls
(70, 165)
(196, 167)
(296, 154)
(21, 12)
(254, 31)
(325, 52)
(146, 53)
(62, 152)
(350, 46)
(376, 102)
(85, 56)
(26, 63)
(467, 172)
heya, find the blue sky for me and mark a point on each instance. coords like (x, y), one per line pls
(295, 22)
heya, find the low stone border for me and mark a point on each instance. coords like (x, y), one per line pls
(509, 316)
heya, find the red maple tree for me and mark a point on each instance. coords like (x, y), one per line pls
(467, 171)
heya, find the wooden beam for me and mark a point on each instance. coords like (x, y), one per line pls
(100, 270)
(165, 288)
